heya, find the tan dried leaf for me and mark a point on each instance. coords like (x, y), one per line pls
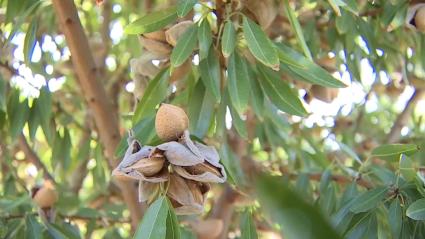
(178, 154)
(173, 34)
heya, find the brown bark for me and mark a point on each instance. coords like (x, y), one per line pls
(94, 93)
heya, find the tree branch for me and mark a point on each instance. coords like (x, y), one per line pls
(33, 158)
(403, 117)
(94, 93)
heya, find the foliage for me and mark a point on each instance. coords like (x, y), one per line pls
(257, 80)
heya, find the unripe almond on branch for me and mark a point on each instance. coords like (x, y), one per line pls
(46, 196)
(170, 122)
(181, 71)
(420, 19)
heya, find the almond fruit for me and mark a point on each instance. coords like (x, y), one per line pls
(170, 122)
(46, 196)
(420, 19)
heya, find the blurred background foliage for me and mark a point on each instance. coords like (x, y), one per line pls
(316, 109)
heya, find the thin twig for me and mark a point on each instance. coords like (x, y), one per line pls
(33, 158)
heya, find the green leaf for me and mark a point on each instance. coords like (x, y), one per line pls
(259, 44)
(30, 41)
(201, 110)
(173, 229)
(153, 225)
(395, 218)
(406, 168)
(257, 95)
(152, 22)
(204, 38)
(209, 68)
(232, 165)
(248, 229)
(297, 29)
(3, 85)
(297, 218)
(155, 93)
(416, 210)
(184, 7)
(13, 9)
(228, 40)
(33, 227)
(9, 205)
(280, 93)
(185, 46)
(238, 83)
(302, 68)
(368, 200)
(18, 113)
(388, 150)
(238, 123)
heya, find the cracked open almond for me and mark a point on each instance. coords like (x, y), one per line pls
(170, 122)
(149, 166)
(324, 94)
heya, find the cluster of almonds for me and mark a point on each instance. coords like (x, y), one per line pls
(158, 46)
(180, 168)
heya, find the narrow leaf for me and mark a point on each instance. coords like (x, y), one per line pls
(184, 47)
(248, 229)
(304, 69)
(395, 218)
(173, 229)
(209, 69)
(297, 218)
(259, 44)
(297, 29)
(201, 110)
(238, 82)
(153, 225)
(152, 21)
(184, 7)
(387, 150)
(228, 40)
(416, 210)
(155, 92)
(280, 93)
(33, 227)
(30, 41)
(204, 38)
(368, 200)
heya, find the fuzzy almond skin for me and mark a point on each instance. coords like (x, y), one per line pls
(420, 19)
(170, 122)
(45, 197)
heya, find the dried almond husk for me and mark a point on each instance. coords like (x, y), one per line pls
(265, 11)
(180, 72)
(209, 152)
(415, 17)
(173, 34)
(209, 228)
(149, 166)
(204, 172)
(178, 154)
(186, 141)
(185, 195)
(46, 196)
(158, 48)
(157, 35)
(327, 62)
(324, 94)
(148, 191)
(144, 66)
